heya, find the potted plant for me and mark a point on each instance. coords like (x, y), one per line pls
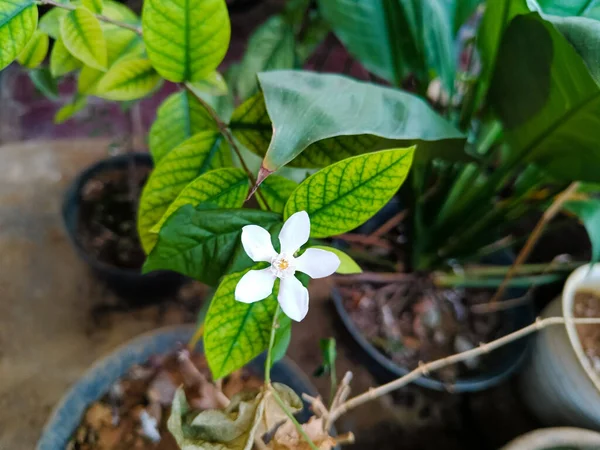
(561, 381)
(563, 437)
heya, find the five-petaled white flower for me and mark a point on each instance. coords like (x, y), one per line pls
(258, 284)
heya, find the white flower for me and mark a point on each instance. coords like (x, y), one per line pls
(258, 284)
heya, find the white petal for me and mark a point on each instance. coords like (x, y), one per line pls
(255, 285)
(294, 233)
(317, 263)
(257, 243)
(293, 298)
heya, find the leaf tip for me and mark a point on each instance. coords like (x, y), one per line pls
(263, 173)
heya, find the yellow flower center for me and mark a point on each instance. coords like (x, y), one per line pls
(283, 264)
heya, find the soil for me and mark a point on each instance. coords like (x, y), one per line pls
(115, 422)
(419, 322)
(587, 304)
(107, 217)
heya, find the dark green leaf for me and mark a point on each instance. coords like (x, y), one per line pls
(44, 82)
(588, 212)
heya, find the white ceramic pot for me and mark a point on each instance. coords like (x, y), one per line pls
(558, 383)
(562, 437)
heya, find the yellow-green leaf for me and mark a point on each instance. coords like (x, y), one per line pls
(186, 39)
(178, 118)
(18, 21)
(61, 61)
(82, 35)
(221, 188)
(69, 110)
(94, 6)
(121, 44)
(129, 79)
(35, 51)
(50, 22)
(203, 152)
(344, 195)
(347, 264)
(118, 11)
(275, 191)
(212, 84)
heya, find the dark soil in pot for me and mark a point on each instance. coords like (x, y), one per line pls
(145, 394)
(107, 216)
(99, 212)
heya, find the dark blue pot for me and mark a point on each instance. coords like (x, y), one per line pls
(500, 364)
(128, 284)
(67, 415)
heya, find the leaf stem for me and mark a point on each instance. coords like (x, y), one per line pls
(290, 416)
(135, 29)
(269, 360)
(226, 132)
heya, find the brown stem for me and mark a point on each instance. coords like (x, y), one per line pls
(375, 277)
(426, 369)
(364, 240)
(226, 132)
(535, 235)
(69, 7)
(389, 225)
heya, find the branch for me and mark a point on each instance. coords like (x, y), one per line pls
(425, 369)
(375, 277)
(548, 215)
(226, 132)
(135, 29)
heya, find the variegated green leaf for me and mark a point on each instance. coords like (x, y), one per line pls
(18, 21)
(203, 152)
(61, 61)
(186, 39)
(178, 118)
(82, 35)
(35, 51)
(220, 188)
(344, 195)
(275, 192)
(130, 79)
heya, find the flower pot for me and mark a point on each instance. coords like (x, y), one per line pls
(548, 438)
(127, 283)
(69, 412)
(558, 384)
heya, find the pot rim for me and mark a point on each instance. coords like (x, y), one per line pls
(586, 276)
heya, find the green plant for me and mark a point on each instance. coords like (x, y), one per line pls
(505, 126)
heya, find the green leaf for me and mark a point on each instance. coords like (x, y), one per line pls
(588, 212)
(186, 39)
(82, 35)
(35, 51)
(50, 22)
(18, 21)
(251, 125)
(61, 61)
(377, 34)
(204, 244)
(121, 44)
(347, 264)
(235, 332)
(94, 6)
(283, 337)
(344, 195)
(294, 99)
(547, 101)
(329, 355)
(219, 188)
(118, 11)
(275, 192)
(585, 8)
(463, 12)
(212, 84)
(44, 82)
(270, 47)
(130, 79)
(203, 152)
(69, 110)
(179, 117)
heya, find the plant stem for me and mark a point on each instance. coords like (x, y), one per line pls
(69, 7)
(548, 215)
(226, 132)
(425, 369)
(290, 416)
(269, 360)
